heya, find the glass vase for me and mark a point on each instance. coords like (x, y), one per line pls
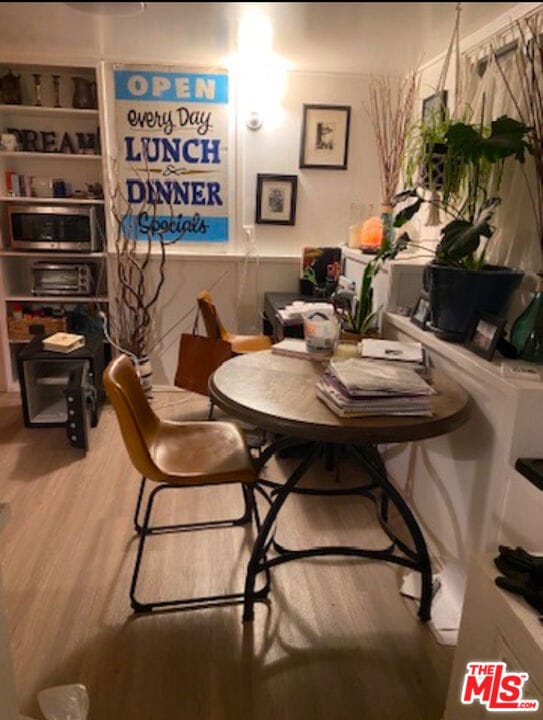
(389, 235)
(527, 331)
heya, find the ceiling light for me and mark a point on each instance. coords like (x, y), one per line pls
(105, 8)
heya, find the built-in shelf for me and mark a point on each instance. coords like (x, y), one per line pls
(50, 254)
(43, 110)
(18, 342)
(51, 201)
(22, 155)
(54, 299)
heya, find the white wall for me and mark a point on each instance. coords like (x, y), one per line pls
(324, 196)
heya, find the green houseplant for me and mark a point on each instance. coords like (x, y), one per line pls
(362, 320)
(459, 280)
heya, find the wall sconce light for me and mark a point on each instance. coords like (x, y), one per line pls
(260, 73)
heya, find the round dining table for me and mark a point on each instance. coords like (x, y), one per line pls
(277, 393)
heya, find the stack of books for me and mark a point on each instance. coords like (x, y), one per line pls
(64, 342)
(357, 387)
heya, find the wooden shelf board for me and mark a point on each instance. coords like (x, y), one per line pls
(22, 155)
(50, 201)
(45, 110)
(54, 299)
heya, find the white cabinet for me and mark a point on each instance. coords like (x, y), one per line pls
(58, 165)
(496, 626)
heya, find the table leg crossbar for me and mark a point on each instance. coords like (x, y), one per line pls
(397, 552)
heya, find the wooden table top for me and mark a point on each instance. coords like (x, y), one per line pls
(277, 393)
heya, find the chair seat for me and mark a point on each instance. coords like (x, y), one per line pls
(248, 343)
(200, 453)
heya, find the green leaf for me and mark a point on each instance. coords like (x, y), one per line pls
(407, 213)
(460, 238)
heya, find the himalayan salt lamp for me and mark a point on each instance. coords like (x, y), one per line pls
(371, 235)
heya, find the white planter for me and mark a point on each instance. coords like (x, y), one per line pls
(145, 374)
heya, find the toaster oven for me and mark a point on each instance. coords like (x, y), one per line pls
(62, 278)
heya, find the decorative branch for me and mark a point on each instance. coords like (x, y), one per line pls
(529, 106)
(390, 109)
(139, 282)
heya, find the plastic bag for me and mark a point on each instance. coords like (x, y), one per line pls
(64, 702)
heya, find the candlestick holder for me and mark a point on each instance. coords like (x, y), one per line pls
(37, 88)
(56, 90)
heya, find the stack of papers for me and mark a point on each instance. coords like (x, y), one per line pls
(408, 354)
(293, 348)
(358, 387)
(292, 314)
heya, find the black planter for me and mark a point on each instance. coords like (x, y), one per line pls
(457, 294)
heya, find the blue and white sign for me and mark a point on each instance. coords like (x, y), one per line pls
(172, 139)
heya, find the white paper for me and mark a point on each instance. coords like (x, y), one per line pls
(391, 350)
(447, 601)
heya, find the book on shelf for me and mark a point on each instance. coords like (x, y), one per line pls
(64, 342)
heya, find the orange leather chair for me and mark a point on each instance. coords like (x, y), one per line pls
(172, 455)
(215, 329)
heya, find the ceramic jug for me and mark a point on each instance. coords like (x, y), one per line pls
(84, 93)
(10, 89)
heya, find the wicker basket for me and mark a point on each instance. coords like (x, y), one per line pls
(19, 328)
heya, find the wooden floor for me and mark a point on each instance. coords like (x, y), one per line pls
(335, 642)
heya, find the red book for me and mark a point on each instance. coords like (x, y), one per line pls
(8, 174)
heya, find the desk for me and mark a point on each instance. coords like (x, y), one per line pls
(277, 393)
(274, 301)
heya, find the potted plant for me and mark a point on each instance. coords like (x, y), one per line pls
(361, 319)
(458, 280)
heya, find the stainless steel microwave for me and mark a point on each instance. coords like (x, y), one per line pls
(74, 228)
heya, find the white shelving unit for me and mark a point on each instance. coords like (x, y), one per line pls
(77, 170)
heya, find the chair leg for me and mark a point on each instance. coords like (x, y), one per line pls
(251, 510)
(211, 410)
(158, 529)
(137, 526)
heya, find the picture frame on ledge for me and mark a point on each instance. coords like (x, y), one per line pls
(483, 335)
(325, 136)
(276, 199)
(420, 315)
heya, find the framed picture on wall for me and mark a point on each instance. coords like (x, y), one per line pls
(434, 107)
(325, 136)
(276, 199)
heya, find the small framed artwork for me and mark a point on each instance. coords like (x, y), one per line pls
(276, 199)
(434, 107)
(483, 334)
(420, 314)
(325, 137)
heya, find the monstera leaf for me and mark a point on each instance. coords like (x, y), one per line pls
(506, 138)
(460, 238)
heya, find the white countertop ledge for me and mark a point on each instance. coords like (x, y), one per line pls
(464, 359)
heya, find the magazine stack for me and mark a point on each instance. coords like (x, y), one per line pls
(357, 387)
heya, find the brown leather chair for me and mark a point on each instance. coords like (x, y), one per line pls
(173, 455)
(241, 344)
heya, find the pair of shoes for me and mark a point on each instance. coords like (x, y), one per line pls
(521, 561)
(523, 575)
